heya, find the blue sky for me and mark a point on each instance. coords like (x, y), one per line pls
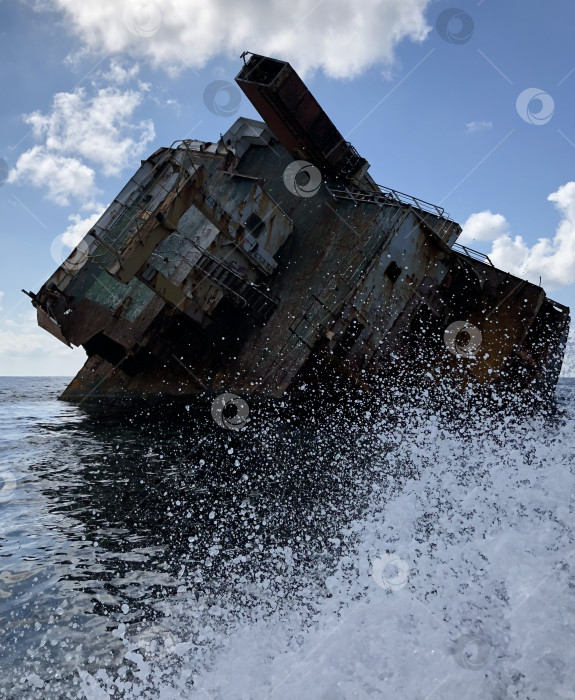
(428, 96)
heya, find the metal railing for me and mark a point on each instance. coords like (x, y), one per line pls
(242, 290)
(386, 195)
(475, 254)
(403, 198)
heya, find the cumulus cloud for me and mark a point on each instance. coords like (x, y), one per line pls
(96, 128)
(79, 134)
(551, 259)
(474, 127)
(483, 226)
(120, 73)
(25, 349)
(63, 244)
(79, 228)
(60, 176)
(338, 36)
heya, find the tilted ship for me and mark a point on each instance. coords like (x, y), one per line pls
(270, 255)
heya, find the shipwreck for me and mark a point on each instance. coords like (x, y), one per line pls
(243, 264)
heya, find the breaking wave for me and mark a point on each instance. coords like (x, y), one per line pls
(393, 554)
(455, 579)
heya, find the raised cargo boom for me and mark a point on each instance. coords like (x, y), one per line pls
(268, 256)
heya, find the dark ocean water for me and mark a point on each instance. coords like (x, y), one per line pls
(106, 515)
(151, 553)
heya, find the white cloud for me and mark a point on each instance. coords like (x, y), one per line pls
(27, 350)
(474, 127)
(551, 259)
(341, 37)
(60, 176)
(79, 228)
(95, 128)
(63, 244)
(79, 128)
(119, 73)
(483, 226)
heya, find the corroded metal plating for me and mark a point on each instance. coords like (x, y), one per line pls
(208, 274)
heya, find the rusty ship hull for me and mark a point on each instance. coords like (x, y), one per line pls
(245, 264)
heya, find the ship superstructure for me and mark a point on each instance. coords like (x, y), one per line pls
(239, 265)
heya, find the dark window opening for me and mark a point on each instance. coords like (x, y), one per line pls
(393, 271)
(108, 349)
(254, 225)
(347, 341)
(261, 70)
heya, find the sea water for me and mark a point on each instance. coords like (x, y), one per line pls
(151, 553)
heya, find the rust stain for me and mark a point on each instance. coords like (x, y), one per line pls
(207, 273)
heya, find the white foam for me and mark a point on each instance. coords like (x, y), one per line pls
(486, 531)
